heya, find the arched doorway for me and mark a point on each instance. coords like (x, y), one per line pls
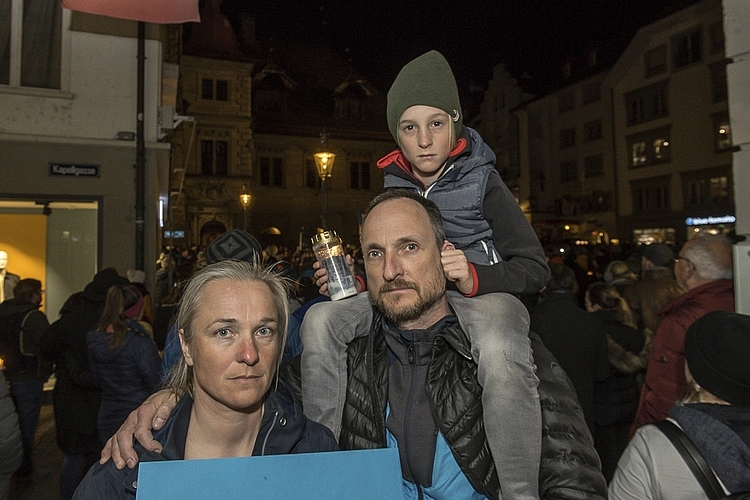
(210, 231)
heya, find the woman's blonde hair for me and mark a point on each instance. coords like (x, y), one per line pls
(180, 379)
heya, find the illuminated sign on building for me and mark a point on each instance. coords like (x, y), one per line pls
(703, 221)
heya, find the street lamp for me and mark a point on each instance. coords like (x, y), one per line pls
(324, 164)
(245, 198)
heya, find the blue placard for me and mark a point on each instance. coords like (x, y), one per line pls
(360, 474)
(73, 170)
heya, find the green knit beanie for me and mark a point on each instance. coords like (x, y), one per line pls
(427, 81)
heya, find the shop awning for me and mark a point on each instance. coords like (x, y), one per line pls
(150, 11)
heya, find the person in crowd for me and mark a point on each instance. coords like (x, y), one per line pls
(124, 359)
(11, 447)
(413, 384)
(493, 249)
(619, 275)
(656, 288)
(22, 326)
(76, 397)
(703, 269)
(137, 278)
(576, 339)
(657, 256)
(715, 417)
(233, 319)
(616, 398)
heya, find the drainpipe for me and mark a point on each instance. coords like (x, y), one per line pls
(140, 156)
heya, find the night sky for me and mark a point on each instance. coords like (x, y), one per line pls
(531, 37)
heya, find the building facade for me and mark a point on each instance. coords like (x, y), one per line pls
(68, 149)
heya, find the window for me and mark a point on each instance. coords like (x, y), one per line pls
(656, 60)
(271, 171)
(592, 130)
(214, 157)
(593, 166)
(719, 81)
(214, 90)
(722, 131)
(648, 103)
(568, 171)
(716, 32)
(592, 92)
(651, 194)
(686, 47)
(30, 43)
(566, 101)
(359, 175)
(312, 180)
(567, 138)
(708, 188)
(649, 148)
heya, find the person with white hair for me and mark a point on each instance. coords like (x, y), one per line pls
(703, 268)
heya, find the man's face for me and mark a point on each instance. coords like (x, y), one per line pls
(3, 260)
(683, 268)
(402, 261)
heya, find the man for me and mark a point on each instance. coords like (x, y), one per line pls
(412, 382)
(703, 269)
(22, 327)
(576, 338)
(8, 279)
(656, 255)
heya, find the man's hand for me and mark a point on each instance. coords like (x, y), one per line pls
(151, 415)
(321, 275)
(456, 268)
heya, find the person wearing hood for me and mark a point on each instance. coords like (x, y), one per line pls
(76, 398)
(124, 359)
(23, 327)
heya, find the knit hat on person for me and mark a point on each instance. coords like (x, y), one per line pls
(234, 245)
(658, 253)
(717, 350)
(103, 280)
(427, 81)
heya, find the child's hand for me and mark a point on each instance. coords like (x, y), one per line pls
(321, 275)
(456, 268)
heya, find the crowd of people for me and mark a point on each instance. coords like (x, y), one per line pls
(497, 366)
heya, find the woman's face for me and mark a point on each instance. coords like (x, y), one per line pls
(235, 344)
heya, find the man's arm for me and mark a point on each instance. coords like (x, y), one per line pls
(151, 415)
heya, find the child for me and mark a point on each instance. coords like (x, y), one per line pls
(495, 250)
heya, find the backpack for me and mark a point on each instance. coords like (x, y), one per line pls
(16, 356)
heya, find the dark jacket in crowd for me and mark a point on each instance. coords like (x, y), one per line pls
(284, 430)
(570, 467)
(578, 342)
(34, 325)
(617, 397)
(127, 374)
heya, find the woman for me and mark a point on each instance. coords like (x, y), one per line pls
(715, 416)
(616, 399)
(234, 317)
(124, 359)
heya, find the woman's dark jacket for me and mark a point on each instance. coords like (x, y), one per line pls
(616, 399)
(569, 468)
(284, 430)
(127, 374)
